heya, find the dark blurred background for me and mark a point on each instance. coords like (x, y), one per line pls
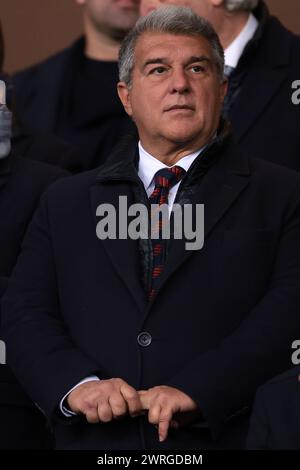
(34, 29)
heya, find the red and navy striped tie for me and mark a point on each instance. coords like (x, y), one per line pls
(164, 180)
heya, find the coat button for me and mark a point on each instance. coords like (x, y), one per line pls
(144, 339)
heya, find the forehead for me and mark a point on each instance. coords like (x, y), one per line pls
(170, 46)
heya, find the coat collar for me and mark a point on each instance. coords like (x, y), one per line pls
(122, 165)
(268, 26)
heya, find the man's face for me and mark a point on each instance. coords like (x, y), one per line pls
(176, 94)
(112, 15)
(201, 7)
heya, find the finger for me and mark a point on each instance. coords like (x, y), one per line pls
(164, 424)
(154, 413)
(132, 400)
(118, 405)
(104, 411)
(92, 416)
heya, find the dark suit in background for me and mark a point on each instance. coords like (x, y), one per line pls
(42, 146)
(265, 121)
(22, 181)
(220, 311)
(46, 148)
(75, 98)
(275, 421)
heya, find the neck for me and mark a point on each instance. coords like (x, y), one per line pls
(170, 153)
(230, 25)
(98, 45)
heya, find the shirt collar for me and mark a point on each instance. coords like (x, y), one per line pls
(235, 50)
(149, 165)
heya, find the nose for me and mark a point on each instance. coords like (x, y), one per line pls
(179, 82)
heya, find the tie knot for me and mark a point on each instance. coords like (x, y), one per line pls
(168, 177)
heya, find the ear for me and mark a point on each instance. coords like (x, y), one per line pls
(124, 95)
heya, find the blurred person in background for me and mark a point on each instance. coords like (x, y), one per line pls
(261, 63)
(22, 181)
(73, 93)
(40, 145)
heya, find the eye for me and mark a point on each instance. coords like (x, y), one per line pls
(197, 68)
(158, 70)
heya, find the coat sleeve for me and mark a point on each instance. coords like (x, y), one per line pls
(39, 348)
(223, 381)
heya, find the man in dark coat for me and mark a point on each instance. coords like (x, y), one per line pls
(73, 94)
(263, 69)
(121, 323)
(22, 181)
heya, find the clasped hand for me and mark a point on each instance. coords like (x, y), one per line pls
(107, 400)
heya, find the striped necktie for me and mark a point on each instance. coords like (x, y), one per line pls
(164, 180)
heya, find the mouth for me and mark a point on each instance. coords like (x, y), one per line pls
(178, 107)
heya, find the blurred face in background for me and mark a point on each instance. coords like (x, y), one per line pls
(203, 8)
(113, 17)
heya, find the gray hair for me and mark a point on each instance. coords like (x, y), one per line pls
(172, 20)
(240, 5)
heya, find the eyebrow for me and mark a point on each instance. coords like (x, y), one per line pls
(163, 60)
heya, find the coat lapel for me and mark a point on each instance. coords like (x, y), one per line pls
(218, 190)
(255, 95)
(112, 182)
(266, 68)
(123, 254)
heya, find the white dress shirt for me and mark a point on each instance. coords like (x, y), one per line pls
(148, 166)
(235, 50)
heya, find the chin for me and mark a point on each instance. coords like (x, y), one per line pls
(181, 137)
